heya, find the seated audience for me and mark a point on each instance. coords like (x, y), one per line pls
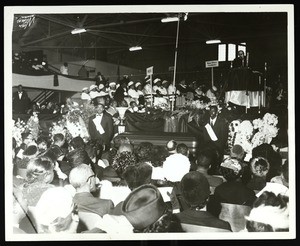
(233, 190)
(195, 191)
(203, 163)
(283, 178)
(55, 212)
(40, 173)
(259, 168)
(146, 211)
(84, 180)
(270, 213)
(171, 146)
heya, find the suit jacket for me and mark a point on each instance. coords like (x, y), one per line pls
(20, 105)
(86, 202)
(202, 218)
(107, 125)
(221, 130)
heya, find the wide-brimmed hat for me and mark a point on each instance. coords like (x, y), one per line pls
(144, 206)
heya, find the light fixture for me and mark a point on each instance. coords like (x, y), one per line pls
(214, 41)
(135, 48)
(78, 30)
(169, 19)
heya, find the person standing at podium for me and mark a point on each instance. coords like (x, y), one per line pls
(240, 60)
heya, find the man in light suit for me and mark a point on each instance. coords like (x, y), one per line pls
(101, 126)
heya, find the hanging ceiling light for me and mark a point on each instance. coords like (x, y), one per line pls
(214, 41)
(78, 30)
(135, 48)
(169, 19)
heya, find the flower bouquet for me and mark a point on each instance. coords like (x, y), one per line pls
(18, 128)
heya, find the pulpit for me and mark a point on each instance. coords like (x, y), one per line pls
(244, 88)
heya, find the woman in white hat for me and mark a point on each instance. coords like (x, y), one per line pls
(132, 92)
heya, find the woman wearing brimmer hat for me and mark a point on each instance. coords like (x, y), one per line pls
(132, 92)
(112, 89)
(85, 94)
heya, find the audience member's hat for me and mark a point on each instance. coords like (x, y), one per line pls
(156, 80)
(92, 87)
(195, 188)
(30, 151)
(101, 86)
(137, 84)
(130, 83)
(85, 88)
(54, 203)
(175, 167)
(214, 88)
(112, 83)
(171, 146)
(237, 151)
(164, 81)
(143, 206)
(233, 164)
(274, 216)
(110, 174)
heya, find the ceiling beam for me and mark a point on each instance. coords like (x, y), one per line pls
(122, 23)
(57, 21)
(58, 35)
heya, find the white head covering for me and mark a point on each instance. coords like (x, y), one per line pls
(54, 202)
(137, 84)
(130, 83)
(276, 217)
(85, 88)
(165, 81)
(101, 86)
(112, 83)
(93, 87)
(175, 167)
(156, 80)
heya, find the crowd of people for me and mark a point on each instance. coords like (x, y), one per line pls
(111, 185)
(103, 182)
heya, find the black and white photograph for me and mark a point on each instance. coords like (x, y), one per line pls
(149, 122)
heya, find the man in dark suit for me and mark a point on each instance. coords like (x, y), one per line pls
(240, 60)
(21, 101)
(219, 126)
(101, 126)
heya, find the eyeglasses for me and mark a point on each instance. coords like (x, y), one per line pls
(94, 175)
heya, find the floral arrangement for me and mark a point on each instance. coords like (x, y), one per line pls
(33, 125)
(19, 127)
(252, 134)
(266, 129)
(58, 127)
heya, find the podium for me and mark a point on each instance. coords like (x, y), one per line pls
(245, 88)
